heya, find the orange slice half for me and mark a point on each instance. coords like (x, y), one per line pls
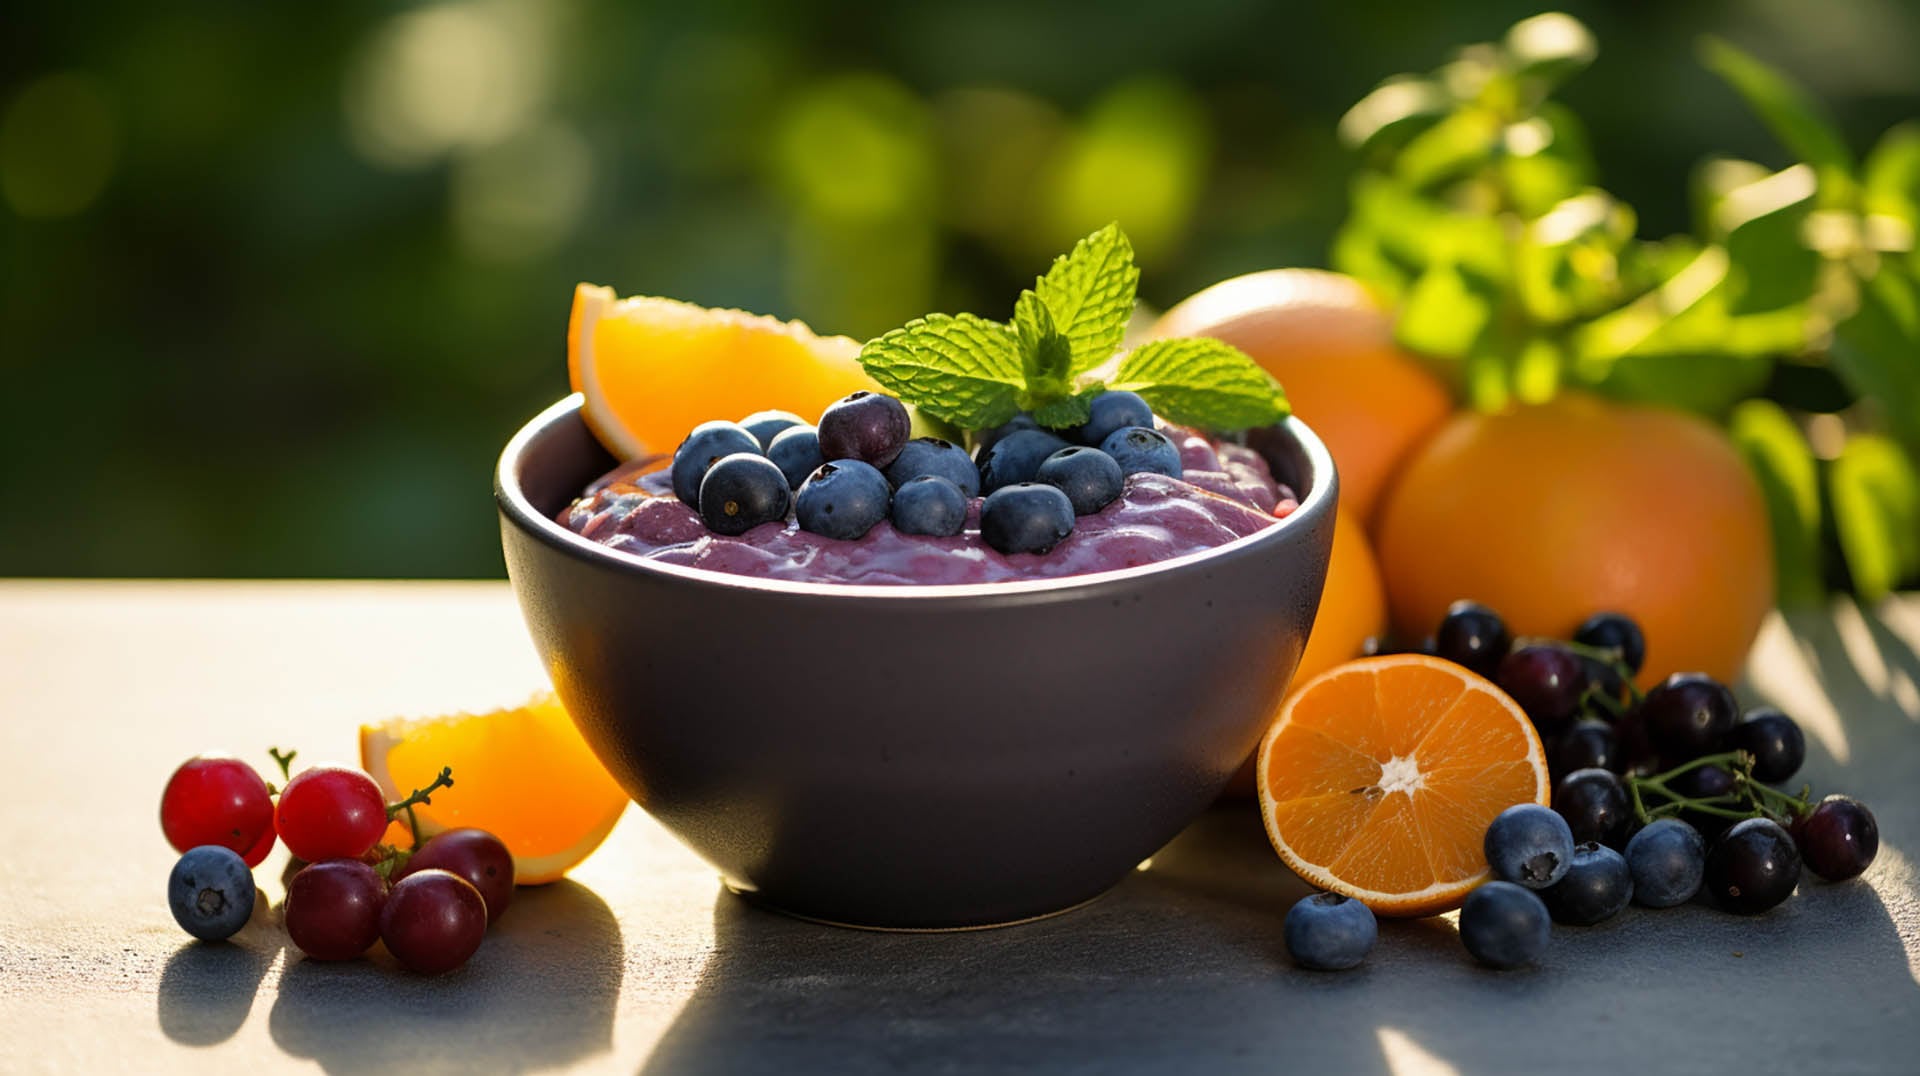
(1380, 776)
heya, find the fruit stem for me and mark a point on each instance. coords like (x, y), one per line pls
(284, 760)
(420, 796)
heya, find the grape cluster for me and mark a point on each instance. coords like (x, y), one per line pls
(1662, 794)
(430, 904)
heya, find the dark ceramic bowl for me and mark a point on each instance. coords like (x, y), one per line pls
(915, 757)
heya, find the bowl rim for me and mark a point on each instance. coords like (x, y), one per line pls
(515, 506)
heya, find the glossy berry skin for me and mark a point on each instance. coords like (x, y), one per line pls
(1705, 783)
(743, 491)
(1473, 636)
(1597, 887)
(433, 921)
(1688, 716)
(1329, 932)
(1635, 746)
(1589, 744)
(933, 456)
(217, 799)
(1773, 739)
(766, 425)
(796, 451)
(1143, 450)
(708, 444)
(1547, 682)
(931, 505)
(1752, 867)
(843, 499)
(986, 439)
(1112, 411)
(1594, 803)
(333, 909)
(1838, 838)
(867, 426)
(330, 812)
(211, 892)
(1604, 678)
(1090, 478)
(1504, 925)
(1668, 861)
(1615, 631)
(1026, 518)
(1529, 845)
(473, 854)
(1015, 458)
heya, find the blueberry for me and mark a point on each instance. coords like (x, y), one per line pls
(1529, 845)
(1597, 886)
(1090, 478)
(741, 492)
(1473, 636)
(866, 426)
(1329, 932)
(1667, 859)
(1773, 739)
(704, 447)
(842, 499)
(1614, 631)
(1112, 411)
(766, 425)
(211, 892)
(1504, 925)
(1015, 458)
(796, 451)
(1594, 803)
(931, 505)
(1026, 517)
(986, 439)
(1140, 449)
(933, 456)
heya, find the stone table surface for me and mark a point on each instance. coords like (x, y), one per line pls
(642, 962)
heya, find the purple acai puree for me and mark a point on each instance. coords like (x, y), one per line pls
(1227, 493)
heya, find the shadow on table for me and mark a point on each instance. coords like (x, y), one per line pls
(540, 993)
(1183, 968)
(207, 988)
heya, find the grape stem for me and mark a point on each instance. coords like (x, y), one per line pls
(420, 796)
(284, 760)
(1750, 798)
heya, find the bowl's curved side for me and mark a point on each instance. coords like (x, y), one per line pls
(964, 759)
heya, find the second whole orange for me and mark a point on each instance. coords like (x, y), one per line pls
(1551, 512)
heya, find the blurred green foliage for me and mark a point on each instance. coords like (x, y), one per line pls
(1478, 210)
(277, 281)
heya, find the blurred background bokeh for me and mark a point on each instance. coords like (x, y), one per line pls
(276, 281)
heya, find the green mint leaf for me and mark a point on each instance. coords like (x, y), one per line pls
(1046, 356)
(960, 369)
(1090, 292)
(1202, 382)
(1066, 411)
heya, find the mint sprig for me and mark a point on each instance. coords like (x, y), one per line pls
(978, 374)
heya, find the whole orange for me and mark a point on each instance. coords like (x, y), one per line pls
(1353, 608)
(1549, 513)
(1330, 343)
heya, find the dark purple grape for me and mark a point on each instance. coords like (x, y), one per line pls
(1589, 744)
(433, 921)
(1631, 729)
(1687, 716)
(1473, 636)
(1594, 803)
(867, 426)
(1605, 680)
(473, 854)
(1839, 838)
(333, 909)
(1547, 682)
(1705, 783)
(1752, 867)
(1615, 631)
(1773, 739)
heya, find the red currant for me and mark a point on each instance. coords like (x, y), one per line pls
(333, 909)
(331, 812)
(218, 799)
(433, 921)
(472, 854)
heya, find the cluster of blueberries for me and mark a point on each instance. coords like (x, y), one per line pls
(1618, 832)
(857, 466)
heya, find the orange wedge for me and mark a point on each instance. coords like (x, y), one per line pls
(1380, 776)
(653, 369)
(523, 774)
